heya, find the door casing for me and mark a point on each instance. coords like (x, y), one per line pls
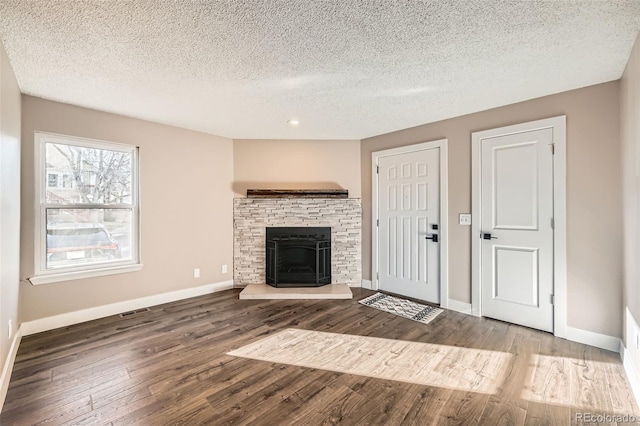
(444, 229)
(558, 126)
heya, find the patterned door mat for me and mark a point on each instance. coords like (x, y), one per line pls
(401, 307)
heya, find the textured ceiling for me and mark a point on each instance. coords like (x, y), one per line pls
(346, 69)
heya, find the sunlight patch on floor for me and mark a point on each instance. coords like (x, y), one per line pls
(428, 364)
(575, 383)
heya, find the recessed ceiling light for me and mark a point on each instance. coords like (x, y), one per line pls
(293, 122)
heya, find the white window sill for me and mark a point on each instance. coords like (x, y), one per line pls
(78, 275)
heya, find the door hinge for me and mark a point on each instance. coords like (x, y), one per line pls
(378, 276)
(553, 224)
(553, 300)
(378, 222)
(553, 148)
(378, 169)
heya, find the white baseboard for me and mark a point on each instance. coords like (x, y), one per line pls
(7, 369)
(456, 305)
(630, 353)
(591, 338)
(76, 317)
(355, 285)
(367, 284)
(632, 372)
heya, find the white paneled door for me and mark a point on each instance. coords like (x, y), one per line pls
(409, 210)
(517, 228)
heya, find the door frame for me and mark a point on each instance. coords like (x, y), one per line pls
(559, 128)
(444, 208)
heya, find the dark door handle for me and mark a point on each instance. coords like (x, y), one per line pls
(433, 238)
(488, 237)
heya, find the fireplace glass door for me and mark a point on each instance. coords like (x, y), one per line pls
(298, 256)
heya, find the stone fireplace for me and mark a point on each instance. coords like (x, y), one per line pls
(252, 217)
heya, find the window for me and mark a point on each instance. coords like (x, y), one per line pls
(88, 215)
(67, 181)
(52, 180)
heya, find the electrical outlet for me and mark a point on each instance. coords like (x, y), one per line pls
(464, 219)
(224, 269)
(10, 328)
(196, 273)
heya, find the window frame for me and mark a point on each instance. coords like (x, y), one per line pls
(42, 275)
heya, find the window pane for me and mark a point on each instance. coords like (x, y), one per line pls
(52, 180)
(88, 236)
(67, 181)
(89, 175)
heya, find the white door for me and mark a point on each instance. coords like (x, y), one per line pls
(409, 214)
(517, 228)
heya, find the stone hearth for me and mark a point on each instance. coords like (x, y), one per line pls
(264, 291)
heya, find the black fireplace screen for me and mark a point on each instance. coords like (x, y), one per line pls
(298, 256)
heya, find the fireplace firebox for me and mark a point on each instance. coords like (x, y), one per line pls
(298, 256)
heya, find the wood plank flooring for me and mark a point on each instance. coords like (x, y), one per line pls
(169, 366)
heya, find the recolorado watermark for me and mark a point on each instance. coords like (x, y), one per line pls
(587, 418)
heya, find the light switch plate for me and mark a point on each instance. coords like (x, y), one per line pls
(465, 219)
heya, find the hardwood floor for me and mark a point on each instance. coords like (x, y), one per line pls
(168, 366)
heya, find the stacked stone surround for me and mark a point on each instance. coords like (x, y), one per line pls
(251, 217)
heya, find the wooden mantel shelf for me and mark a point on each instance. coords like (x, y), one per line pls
(297, 193)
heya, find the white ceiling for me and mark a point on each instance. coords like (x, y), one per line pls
(346, 69)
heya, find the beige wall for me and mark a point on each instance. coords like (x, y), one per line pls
(9, 205)
(296, 164)
(630, 130)
(186, 208)
(202, 173)
(593, 196)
